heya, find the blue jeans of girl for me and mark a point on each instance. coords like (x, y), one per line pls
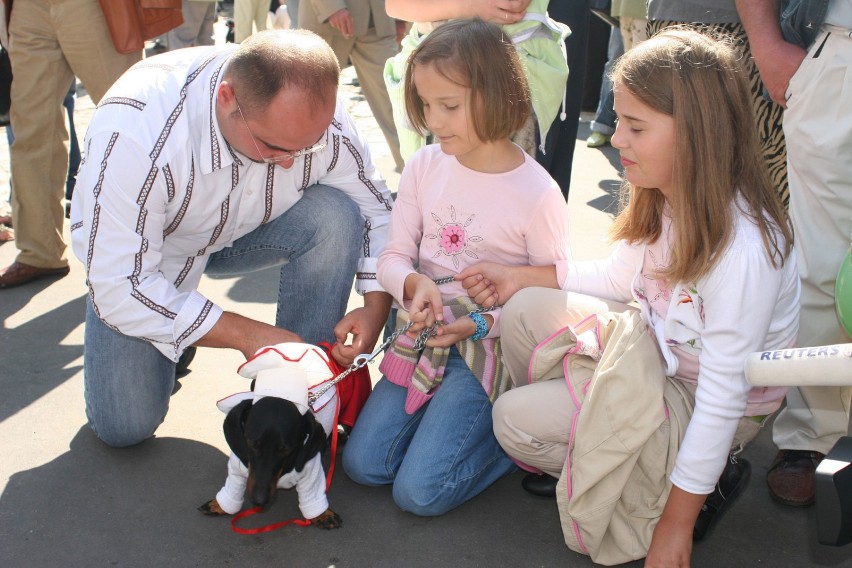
(437, 458)
(316, 242)
(604, 121)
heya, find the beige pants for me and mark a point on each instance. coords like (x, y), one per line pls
(633, 31)
(51, 41)
(368, 54)
(533, 422)
(819, 145)
(197, 27)
(248, 13)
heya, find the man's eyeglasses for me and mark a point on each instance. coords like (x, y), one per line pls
(286, 154)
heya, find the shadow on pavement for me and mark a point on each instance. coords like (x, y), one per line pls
(95, 506)
(34, 362)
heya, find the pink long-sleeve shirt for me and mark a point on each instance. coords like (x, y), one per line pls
(448, 217)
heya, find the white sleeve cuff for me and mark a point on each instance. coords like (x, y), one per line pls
(231, 496)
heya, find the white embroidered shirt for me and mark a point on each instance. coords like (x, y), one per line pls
(160, 190)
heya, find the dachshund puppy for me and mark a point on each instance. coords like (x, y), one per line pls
(276, 441)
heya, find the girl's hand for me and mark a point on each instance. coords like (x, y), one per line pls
(459, 330)
(426, 304)
(671, 545)
(489, 283)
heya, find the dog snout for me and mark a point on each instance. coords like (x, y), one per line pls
(261, 486)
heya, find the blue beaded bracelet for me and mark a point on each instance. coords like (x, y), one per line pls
(481, 326)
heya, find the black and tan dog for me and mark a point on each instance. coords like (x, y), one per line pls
(275, 438)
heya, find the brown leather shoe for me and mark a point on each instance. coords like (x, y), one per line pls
(791, 477)
(19, 273)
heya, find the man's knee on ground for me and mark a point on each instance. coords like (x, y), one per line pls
(122, 430)
(123, 438)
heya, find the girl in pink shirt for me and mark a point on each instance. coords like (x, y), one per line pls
(474, 196)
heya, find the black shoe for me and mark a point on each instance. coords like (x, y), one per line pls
(542, 485)
(343, 432)
(229, 34)
(186, 358)
(734, 478)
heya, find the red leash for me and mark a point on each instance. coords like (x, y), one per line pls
(265, 529)
(299, 522)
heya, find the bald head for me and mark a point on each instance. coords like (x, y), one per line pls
(273, 60)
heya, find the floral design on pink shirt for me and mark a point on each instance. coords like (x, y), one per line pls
(453, 238)
(663, 291)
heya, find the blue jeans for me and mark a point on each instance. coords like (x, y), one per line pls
(293, 12)
(437, 458)
(604, 121)
(317, 244)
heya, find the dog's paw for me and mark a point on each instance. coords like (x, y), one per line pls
(328, 520)
(212, 508)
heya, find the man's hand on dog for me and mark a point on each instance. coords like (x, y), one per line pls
(245, 334)
(364, 324)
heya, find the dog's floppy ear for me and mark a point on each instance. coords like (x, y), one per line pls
(235, 430)
(315, 442)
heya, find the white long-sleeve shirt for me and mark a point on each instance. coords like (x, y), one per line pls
(743, 305)
(309, 484)
(160, 190)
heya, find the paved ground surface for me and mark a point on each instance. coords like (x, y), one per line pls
(68, 500)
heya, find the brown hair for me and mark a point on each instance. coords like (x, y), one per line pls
(272, 60)
(474, 54)
(700, 82)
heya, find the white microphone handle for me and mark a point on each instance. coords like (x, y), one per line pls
(828, 365)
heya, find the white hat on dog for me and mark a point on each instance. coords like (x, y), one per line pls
(285, 370)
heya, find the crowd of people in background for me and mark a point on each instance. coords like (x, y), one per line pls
(736, 150)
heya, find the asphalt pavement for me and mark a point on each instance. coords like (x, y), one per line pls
(69, 500)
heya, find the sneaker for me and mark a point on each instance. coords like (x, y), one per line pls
(733, 480)
(791, 477)
(597, 139)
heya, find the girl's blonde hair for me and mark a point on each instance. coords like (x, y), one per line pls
(700, 83)
(474, 54)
